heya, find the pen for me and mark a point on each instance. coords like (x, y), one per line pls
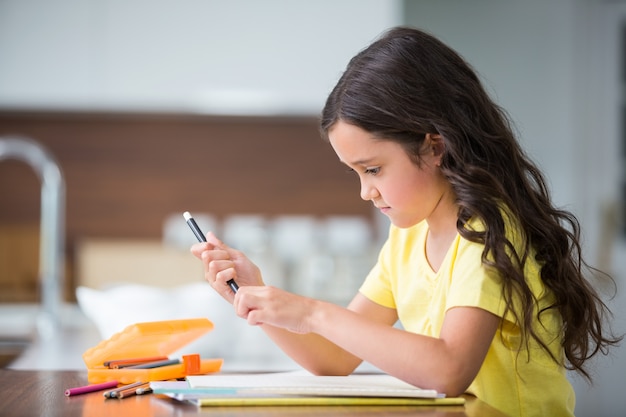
(200, 236)
(90, 388)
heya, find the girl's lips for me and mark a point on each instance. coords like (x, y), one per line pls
(383, 209)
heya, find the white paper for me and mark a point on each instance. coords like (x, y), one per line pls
(298, 383)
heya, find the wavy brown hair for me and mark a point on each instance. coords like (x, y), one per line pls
(408, 83)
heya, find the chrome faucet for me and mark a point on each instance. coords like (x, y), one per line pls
(52, 226)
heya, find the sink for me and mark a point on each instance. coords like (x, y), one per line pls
(22, 347)
(11, 349)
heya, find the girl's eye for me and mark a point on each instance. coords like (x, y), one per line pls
(370, 171)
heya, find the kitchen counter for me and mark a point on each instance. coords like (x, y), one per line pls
(38, 393)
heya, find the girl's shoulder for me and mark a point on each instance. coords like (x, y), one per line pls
(513, 230)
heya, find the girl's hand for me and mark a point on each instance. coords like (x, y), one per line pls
(222, 263)
(275, 307)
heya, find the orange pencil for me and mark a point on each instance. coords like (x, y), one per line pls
(114, 393)
(131, 391)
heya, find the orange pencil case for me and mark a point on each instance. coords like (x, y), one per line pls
(159, 338)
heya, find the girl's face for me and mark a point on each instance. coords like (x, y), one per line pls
(390, 179)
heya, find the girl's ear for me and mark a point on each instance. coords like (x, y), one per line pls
(437, 145)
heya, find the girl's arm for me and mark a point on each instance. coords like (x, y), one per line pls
(448, 363)
(312, 351)
(331, 340)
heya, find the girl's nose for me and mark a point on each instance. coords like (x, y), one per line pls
(368, 192)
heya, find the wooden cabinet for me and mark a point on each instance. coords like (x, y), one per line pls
(125, 172)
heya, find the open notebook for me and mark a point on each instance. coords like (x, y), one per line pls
(299, 388)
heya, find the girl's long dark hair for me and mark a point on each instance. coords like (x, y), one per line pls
(407, 84)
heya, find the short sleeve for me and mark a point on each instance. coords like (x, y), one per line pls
(377, 284)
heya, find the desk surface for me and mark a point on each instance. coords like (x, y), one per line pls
(38, 393)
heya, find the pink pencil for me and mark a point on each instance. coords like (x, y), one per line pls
(90, 388)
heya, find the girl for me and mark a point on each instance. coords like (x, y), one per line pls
(483, 272)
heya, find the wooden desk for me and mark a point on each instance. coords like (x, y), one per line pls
(39, 393)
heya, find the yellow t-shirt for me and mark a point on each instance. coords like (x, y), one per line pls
(403, 280)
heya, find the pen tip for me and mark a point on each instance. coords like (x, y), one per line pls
(187, 215)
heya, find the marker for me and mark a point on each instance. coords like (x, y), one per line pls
(90, 388)
(200, 236)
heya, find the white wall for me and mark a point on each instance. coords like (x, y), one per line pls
(523, 51)
(218, 56)
(553, 65)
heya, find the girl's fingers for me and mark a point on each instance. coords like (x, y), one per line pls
(198, 248)
(272, 306)
(213, 240)
(222, 277)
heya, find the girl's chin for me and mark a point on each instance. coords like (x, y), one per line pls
(402, 224)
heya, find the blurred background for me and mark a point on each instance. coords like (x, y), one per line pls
(117, 116)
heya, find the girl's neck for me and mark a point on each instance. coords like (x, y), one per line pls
(443, 219)
(441, 230)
